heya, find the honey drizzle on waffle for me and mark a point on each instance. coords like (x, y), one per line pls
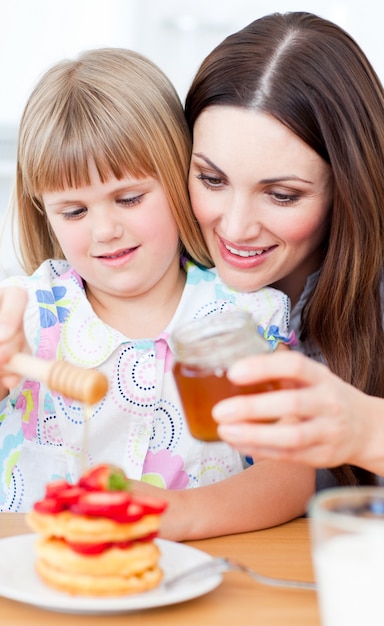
(86, 435)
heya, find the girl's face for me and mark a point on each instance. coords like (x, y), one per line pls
(262, 197)
(120, 235)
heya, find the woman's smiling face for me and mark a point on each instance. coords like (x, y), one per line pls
(262, 197)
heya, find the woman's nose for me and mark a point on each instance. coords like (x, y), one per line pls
(240, 220)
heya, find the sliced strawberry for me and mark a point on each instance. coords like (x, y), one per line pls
(122, 545)
(55, 487)
(133, 513)
(105, 477)
(149, 537)
(111, 504)
(70, 496)
(151, 506)
(88, 548)
(49, 506)
(98, 548)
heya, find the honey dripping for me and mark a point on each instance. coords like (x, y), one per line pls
(87, 411)
(88, 386)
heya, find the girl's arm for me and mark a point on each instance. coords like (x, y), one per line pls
(327, 421)
(13, 301)
(264, 495)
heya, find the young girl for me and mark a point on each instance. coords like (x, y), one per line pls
(104, 220)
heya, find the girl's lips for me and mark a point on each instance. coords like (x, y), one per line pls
(118, 258)
(242, 256)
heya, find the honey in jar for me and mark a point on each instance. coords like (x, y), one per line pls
(204, 349)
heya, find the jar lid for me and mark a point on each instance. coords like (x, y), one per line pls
(217, 340)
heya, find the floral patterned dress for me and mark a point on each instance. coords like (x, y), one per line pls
(139, 425)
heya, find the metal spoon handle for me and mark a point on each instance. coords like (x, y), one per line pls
(222, 564)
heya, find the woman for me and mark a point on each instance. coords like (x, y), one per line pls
(287, 182)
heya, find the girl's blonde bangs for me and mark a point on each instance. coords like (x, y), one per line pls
(63, 160)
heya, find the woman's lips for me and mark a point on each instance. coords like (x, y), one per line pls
(243, 256)
(243, 253)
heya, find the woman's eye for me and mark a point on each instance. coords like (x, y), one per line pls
(211, 182)
(285, 198)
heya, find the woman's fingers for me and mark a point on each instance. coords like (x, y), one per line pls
(298, 403)
(304, 442)
(321, 420)
(310, 390)
(313, 420)
(277, 436)
(286, 365)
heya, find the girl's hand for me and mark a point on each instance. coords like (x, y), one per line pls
(13, 301)
(322, 421)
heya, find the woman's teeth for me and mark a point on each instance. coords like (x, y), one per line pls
(244, 253)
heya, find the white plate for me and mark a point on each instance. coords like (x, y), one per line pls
(18, 580)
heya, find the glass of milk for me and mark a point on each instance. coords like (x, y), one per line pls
(347, 533)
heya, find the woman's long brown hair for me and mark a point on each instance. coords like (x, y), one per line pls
(313, 77)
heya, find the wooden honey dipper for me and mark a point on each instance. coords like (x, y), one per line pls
(85, 385)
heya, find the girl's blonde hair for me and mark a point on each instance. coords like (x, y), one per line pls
(117, 108)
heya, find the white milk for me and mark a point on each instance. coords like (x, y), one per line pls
(350, 575)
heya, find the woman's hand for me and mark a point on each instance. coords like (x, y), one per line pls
(13, 301)
(322, 421)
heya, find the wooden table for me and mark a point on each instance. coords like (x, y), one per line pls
(283, 551)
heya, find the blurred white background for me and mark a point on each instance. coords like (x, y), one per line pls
(176, 34)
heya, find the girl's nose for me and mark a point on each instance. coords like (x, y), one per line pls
(106, 227)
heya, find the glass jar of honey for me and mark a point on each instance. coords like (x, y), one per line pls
(204, 349)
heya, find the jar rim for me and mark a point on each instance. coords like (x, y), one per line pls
(218, 339)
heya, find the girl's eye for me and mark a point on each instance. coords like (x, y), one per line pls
(131, 201)
(211, 182)
(74, 213)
